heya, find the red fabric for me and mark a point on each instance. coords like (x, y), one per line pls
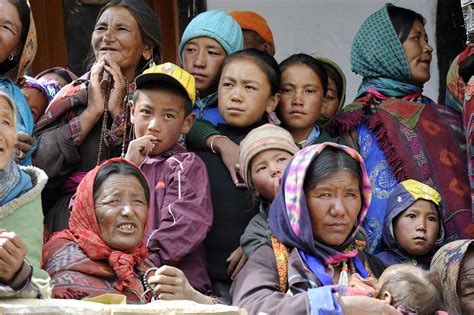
(84, 230)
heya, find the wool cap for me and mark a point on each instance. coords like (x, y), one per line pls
(260, 139)
(252, 21)
(217, 25)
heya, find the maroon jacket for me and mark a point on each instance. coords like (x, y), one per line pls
(180, 213)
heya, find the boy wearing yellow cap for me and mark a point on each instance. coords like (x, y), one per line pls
(413, 227)
(180, 212)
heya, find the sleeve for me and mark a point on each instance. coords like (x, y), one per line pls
(186, 214)
(256, 234)
(200, 131)
(256, 288)
(21, 285)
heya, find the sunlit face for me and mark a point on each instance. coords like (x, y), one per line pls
(8, 133)
(416, 229)
(465, 285)
(161, 113)
(10, 30)
(244, 93)
(36, 101)
(334, 204)
(302, 96)
(418, 53)
(331, 100)
(266, 170)
(203, 58)
(121, 209)
(117, 34)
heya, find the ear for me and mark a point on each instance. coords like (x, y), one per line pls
(132, 111)
(188, 123)
(272, 103)
(387, 297)
(147, 52)
(268, 48)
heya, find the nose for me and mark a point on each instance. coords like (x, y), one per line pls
(200, 59)
(126, 209)
(427, 48)
(275, 170)
(236, 95)
(337, 207)
(154, 125)
(108, 35)
(297, 98)
(421, 225)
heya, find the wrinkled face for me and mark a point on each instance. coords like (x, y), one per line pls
(121, 210)
(301, 99)
(331, 100)
(117, 34)
(465, 285)
(334, 204)
(10, 30)
(244, 93)
(418, 53)
(8, 133)
(36, 101)
(203, 58)
(161, 113)
(266, 169)
(416, 229)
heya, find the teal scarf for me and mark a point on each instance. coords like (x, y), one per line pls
(13, 182)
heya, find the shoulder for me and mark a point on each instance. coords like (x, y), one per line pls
(185, 161)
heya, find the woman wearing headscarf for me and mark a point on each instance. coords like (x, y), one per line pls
(87, 122)
(400, 133)
(316, 220)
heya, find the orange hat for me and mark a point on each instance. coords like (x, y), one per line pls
(249, 20)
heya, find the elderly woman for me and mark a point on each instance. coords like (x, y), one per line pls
(316, 218)
(453, 266)
(18, 42)
(400, 133)
(88, 120)
(21, 217)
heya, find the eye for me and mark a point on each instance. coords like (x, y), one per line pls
(250, 87)
(286, 90)
(260, 168)
(227, 84)
(145, 112)
(100, 28)
(139, 201)
(432, 218)
(310, 91)
(282, 159)
(411, 216)
(189, 49)
(169, 116)
(5, 122)
(324, 195)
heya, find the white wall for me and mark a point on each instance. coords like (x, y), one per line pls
(327, 27)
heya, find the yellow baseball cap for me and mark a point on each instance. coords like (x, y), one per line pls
(171, 73)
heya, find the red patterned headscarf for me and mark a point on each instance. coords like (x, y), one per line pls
(84, 230)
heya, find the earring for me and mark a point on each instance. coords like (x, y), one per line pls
(11, 57)
(151, 63)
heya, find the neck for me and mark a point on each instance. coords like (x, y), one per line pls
(300, 134)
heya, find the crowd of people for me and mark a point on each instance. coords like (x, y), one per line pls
(231, 178)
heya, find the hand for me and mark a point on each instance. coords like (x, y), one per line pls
(23, 145)
(12, 255)
(365, 305)
(117, 93)
(229, 152)
(139, 148)
(236, 260)
(96, 95)
(171, 284)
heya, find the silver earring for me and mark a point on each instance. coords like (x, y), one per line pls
(10, 57)
(151, 63)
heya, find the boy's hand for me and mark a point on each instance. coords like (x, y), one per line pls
(139, 148)
(12, 254)
(236, 260)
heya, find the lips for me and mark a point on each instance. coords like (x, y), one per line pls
(297, 113)
(233, 109)
(199, 76)
(420, 238)
(336, 227)
(127, 227)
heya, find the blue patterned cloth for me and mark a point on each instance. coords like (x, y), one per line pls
(383, 182)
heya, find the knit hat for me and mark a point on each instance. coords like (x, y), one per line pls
(217, 25)
(261, 139)
(252, 21)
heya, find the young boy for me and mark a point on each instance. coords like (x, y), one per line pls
(255, 30)
(413, 228)
(264, 154)
(180, 207)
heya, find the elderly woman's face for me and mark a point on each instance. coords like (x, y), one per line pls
(121, 210)
(334, 204)
(10, 30)
(418, 53)
(466, 283)
(8, 133)
(117, 34)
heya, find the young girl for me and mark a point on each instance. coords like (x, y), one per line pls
(264, 154)
(304, 84)
(247, 91)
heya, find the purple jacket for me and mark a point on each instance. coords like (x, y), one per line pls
(180, 213)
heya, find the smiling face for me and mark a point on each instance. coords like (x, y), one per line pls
(203, 58)
(117, 34)
(121, 209)
(8, 134)
(244, 93)
(10, 30)
(465, 284)
(161, 113)
(266, 169)
(416, 229)
(418, 53)
(334, 204)
(302, 96)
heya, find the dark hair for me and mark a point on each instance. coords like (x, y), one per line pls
(329, 161)
(256, 37)
(121, 168)
(336, 77)
(24, 13)
(312, 63)
(417, 291)
(264, 61)
(402, 20)
(148, 24)
(163, 85)
(59, 71)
